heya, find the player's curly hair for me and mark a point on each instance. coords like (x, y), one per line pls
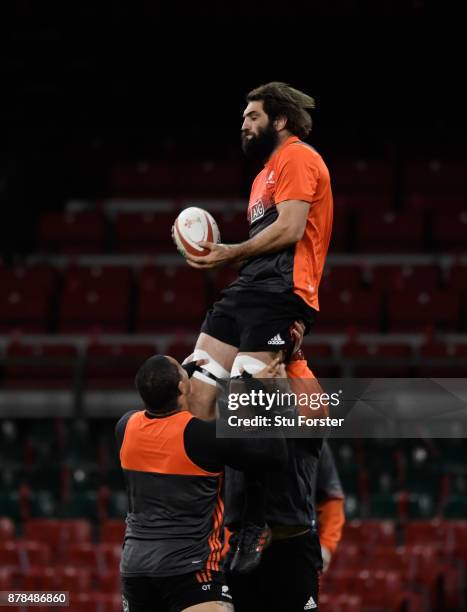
(157, 383)
(282, 100)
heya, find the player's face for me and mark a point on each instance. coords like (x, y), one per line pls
(184, 385)
(259, 136)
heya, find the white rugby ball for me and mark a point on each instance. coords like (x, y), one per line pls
(194, 225)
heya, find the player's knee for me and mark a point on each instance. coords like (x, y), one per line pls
(250, 364)
(211, 371)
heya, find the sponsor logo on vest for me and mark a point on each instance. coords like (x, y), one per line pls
(257, 211)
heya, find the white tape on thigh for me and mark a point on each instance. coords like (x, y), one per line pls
(247, 363)
(212, 366)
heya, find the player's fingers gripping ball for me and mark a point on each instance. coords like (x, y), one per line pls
(192, 226)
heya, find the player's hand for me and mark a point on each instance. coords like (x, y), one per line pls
(275, 369)
(297, 332)
(219, 254)
(326, 554)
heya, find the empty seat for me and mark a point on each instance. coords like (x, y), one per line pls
(389, 232)
(25, 308)
(94, 310)
(181, 349)
(170, 297)
(10, 555)
(370, 533)
(145, 232)
(114, 365)
(449, 231)
(113, 531)
(433, 202)
(458, 277)
(398, 278)
(416, 310)
(6, 579)
(40, 365)
(233, 224)
(342, 277)
(438, 177)
(339, 603)
(78, 232)
(58, 533)
(342, 309)
(7, 529)
(362, 176)
(104, 278)
(40, 278)
(378, 360)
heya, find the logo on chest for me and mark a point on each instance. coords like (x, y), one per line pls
(256, 211)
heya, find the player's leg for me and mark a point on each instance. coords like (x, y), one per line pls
(219, 357)
(212, 606)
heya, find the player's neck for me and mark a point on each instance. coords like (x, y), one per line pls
(282, 137)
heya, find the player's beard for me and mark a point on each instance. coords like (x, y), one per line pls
(261, 146)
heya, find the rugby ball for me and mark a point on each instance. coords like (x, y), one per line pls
(194, 225)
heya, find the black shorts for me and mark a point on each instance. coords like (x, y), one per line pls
(256, 321)
(174, 593)
(287, 578)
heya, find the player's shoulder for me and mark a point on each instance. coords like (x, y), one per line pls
(300, 151)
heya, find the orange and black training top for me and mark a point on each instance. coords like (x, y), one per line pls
(295, 171)
(173, 467)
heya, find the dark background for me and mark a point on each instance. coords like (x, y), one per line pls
(86, 84)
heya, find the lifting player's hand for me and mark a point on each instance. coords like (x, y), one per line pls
(297, 331)
(275, 369)
(219, 254)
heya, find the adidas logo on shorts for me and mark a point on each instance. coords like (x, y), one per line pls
(276, 340)
(310, 604)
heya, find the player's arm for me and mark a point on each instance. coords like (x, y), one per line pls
(213, 454)
(285, 231)
(330, 505)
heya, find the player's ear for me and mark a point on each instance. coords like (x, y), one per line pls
(280, 123)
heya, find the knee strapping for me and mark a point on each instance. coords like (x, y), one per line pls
(248, 363)
(210, 371)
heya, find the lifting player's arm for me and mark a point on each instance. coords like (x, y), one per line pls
(286, 230)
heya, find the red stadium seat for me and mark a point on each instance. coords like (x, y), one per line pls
(429, 202)
(362, 202)
(7, 529)
(423, 532)
(389, 232)
(342, 309)
(40, 278)
(58, 533)
(381, 360)
(40, 578)
(170, 297)
(145, 232)
(415, 310)
(85, 555)
(113, 531)
(6, 579)
(94, 310)
(10, 555)
(233, 224)
(181, 349)
(341, 277)
(362, 176)
(44, 365)
(79, 232)
(95, 278)
(221, 279)
(449, 231)
(210, 177)
(369, 533)
(339, 603)
(95, 602)
(398, 278)
(436, 177)
(34, 552)
(114, 365)
(25, 308)
(458, 277)
(110, 582)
